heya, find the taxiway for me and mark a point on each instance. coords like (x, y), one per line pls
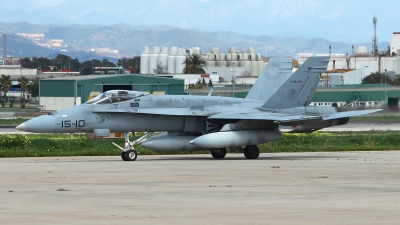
(283, 188)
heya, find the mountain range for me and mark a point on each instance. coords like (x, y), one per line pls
(120, 40)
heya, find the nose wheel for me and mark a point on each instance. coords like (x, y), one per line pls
(128, 152)
(129, 155)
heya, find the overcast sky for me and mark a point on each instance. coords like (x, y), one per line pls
(335, 20)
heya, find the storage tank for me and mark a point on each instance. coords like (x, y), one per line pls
(222, 57)
(245, 56)
(228, 57)
(171, 59)
(234, 56)
(258, 56)
(361, 51)
(254, 68)
(163, 56)
(221, 60)
(179, 60)
(252, 56)
(210, 63)
(240, 56)
(210, 60)
(247, 66)
(156, 50)
(210, 56)
(232, 50)
(250, 50)
(195, 50)
(233, 63)
(153, 59)
(261, 64)
(144, 61)
(214, 50)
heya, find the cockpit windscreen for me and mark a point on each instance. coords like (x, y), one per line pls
(115, 96)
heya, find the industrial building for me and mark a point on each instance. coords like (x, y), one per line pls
(352, 68)
(223, 65)
(64, 92)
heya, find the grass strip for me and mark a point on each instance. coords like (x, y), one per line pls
(12, 122)
(33, 145)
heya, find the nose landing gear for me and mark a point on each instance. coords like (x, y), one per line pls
(128, 152)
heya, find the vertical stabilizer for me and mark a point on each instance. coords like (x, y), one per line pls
(274, 74)
(299, 89)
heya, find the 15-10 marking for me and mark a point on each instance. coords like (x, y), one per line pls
(68, 123)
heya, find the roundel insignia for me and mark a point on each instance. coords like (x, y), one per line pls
(292, 93)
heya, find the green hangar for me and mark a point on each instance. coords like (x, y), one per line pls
(64, 92)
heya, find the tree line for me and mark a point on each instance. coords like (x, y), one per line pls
(381, 78)
(62, 62)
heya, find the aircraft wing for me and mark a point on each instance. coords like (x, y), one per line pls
(350, 114)
(276, 117)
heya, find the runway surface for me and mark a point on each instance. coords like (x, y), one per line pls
(284, 188)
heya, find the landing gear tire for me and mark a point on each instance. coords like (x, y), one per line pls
(218, 153)
(251, 152)
(130, 155)
(123, 156)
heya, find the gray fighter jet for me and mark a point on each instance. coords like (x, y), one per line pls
(214, 123)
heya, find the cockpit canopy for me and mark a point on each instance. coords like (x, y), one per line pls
(115, 96)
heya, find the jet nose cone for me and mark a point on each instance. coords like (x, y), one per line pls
(21, 127)
(41, 124)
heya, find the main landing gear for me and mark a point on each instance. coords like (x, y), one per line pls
(250, 152)
(218, 153)
(128, 152)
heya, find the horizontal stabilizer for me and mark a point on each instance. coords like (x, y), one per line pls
(350, 114)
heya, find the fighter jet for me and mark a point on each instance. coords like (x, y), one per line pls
(212, 123)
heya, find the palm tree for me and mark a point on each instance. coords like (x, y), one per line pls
(5, 84)
(123, 62)
(194, 64)
(23, 81)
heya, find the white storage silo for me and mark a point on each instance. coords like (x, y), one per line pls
(258, 56)
(261, 64)
(228, 57)
(221, 60)
(163, 56)
(214, 50)
(210, 60)
(239, 56)
(250, 50)
(222, 57)
(153, 59)
(252, 56)
(210, 63)
(247, 66)
(233, 63)
(195, 50)
(245, 56)
(234, 56)
(232, 50)
(179, 60)
(254, 68)
(171, 59)
(144, 61)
